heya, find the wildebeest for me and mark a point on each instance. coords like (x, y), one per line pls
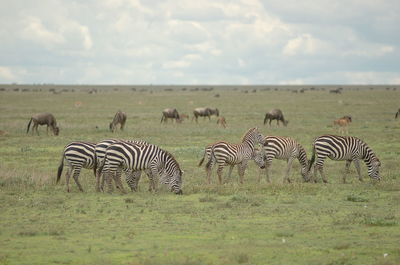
(275, 114)
(44, 119)
(397, 114)
(221, 121)
(336, 91)
(119, 118)
(342, 123)
(170, 113)
(205, 112)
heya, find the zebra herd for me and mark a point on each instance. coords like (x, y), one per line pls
(109, 158)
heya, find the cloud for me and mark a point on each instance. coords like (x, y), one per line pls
(6, 74)
(191, 42)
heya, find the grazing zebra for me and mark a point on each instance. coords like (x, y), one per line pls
(119, 118)
(204, 112)
(224, 153)
(284, 148)
(133, 157)
(78, 155)
(170, 114)
(275, 114)
(100, 150)
(347, 148)
(42, 119)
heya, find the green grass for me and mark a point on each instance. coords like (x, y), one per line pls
(297, 223)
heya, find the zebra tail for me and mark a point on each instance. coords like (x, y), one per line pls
(29, 125)
(60, 168)
(312, 158)
(202, 160)
(95, 164)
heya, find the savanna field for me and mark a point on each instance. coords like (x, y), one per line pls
(296, 223)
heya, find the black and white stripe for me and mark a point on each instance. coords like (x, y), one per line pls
(133, 157)
(224, 153)
(351, 149)
(77, 155)
(100, 151)
(284, 148)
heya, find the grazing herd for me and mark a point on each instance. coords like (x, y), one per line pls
(110, 157)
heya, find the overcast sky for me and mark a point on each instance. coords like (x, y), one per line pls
(200, 42)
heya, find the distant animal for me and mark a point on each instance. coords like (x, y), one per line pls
(351, 149)
(284, 148)
(397, 114)
(221, 121)
(133, 157)
(78, 155)
(275, 114)
(3, 133)
(335, 91)
(182, 117)
(119, 118)
(44, 119)
(100, 151)
(223, 153)
(170, 113)
(342, 124)
(78, 104)
(205, 112)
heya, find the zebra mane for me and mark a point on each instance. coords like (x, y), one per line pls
(173, 158)
(248, 132)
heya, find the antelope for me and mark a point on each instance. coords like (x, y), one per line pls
(342, 123)
(221, 121)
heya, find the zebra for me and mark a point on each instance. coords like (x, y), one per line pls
(224, 153)
(100, 151)
(205, 112)
(78, 155)
(134, 157)
(351, 149)
(284, 148)
(119, 118)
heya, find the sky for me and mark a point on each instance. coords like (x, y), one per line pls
(192, 42)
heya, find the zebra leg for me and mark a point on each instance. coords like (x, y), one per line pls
(267, 167)
(230, 171)
(67, 176)
(77, 171)
(289, 166)
(209, 170)
(98, 173)
(219, 173)
(107, 176)
(241, 169)
(346, 170)
(357, 165)
(118, 182)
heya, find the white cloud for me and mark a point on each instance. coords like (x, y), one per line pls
(182, 41)
(6, 74)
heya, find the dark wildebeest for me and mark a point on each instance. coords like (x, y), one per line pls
(275, 114)
(42, 119)
(119, 118)
(205, 112)
(397, 114)
(170, 114)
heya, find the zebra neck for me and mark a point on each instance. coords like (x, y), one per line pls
(302, 157)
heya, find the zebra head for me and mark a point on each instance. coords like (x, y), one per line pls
(259, 158)
(253, 136)
(305, 172)
(172, 174)
(373, 169)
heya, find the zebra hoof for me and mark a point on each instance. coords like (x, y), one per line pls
(180, 192)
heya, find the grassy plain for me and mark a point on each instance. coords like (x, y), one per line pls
(297, 223)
